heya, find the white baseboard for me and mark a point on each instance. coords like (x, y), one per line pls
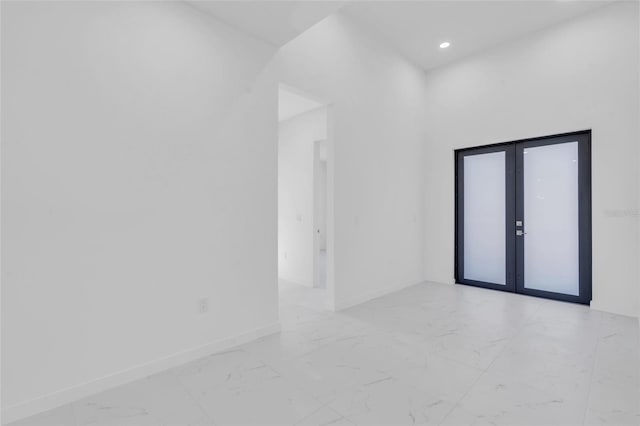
(447, 281)
(361, 298)
(600, 307)
(65, 396)
(295, 281)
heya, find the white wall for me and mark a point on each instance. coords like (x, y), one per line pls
(582, 74)
(296, 139)
(132, 186)
(375, 141)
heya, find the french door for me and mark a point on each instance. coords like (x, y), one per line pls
(523, 217)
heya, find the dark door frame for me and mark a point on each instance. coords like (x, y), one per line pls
(514, 204)
(510, 214)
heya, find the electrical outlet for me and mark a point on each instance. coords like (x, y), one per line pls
(203, 305)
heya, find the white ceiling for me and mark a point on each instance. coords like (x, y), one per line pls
(276, 22)
(292, 103)
(416, 28)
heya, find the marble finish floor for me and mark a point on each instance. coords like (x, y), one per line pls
(431, 354)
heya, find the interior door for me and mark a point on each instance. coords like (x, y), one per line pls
(553, 210)
(523, 217)
(485, 253)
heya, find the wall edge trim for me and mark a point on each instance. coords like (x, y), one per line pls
(71, 394)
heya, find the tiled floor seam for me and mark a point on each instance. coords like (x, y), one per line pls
(593, 367)
(484, 371)
(193, 398)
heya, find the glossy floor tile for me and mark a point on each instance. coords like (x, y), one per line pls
(431, 354)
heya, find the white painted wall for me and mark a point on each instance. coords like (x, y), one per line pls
(296, 139)
(376, 141)
(582, 74)
(132, 186)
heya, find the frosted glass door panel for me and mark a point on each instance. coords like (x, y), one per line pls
(551, 244)
(484, 218)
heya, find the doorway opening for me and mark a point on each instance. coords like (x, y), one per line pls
(305, 200)
(523, 217)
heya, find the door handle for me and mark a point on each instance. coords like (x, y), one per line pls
(520, 233)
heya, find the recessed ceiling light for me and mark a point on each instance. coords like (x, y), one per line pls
(445, 45)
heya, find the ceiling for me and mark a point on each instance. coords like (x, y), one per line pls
(292, 103)
(276, 22)
(416, 28)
